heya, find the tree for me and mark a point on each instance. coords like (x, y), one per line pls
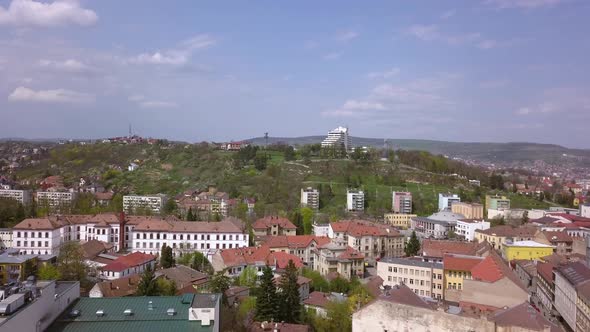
(190, 216)
(166, 287)
(170, 207)
(220, 284)
(307, 216)
(289, 300)
(289, 153)
(260, 162)
(318, 283)
(339, 285)
(29, 269)
(248, 277)
(338, 318)
(451, 234)
(48, 272)
(166, 257)
(267, 305)
(413, 245)
(147, 285)
(70, 262)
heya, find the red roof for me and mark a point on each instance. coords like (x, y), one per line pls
(281, 259)
(545, 270)
(437, 248)
(318, 299)
(554, 237)
(569, 217)
(295, 241)
(351, 253)
(487, 270)
(125, 262)
(358, 228)
(460, 262)
(267, 222)
(253, 255)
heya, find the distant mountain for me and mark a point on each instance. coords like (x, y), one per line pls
(490, 152)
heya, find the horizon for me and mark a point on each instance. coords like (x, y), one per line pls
(485, 71)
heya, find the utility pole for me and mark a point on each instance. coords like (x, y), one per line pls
(266, 140)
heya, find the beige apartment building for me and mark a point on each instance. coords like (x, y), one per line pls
(424, 278)
(469, 210)
(334, 258)
(400, 220)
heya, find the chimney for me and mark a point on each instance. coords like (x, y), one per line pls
(110, 285)
(122, 231)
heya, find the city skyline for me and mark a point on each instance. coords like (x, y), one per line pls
(466, 71)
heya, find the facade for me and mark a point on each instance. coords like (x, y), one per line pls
(154, 203)
(355, 200)
(530, 250)
(446, 200)
(585, 210)
(338, 138)
(457, 269)
(273, 226)
(401, 202)
(373, 240)
(234, 261)
(399, 219)
(338, 259)
(22, 196)
(5, 238)
(424, 278)
(583, 306)
(466, 227)
(469, 210)
(497, 202)
(321, 229)
(302, 246)
(124, 266)
(499, 235)
(561, 241)
(310, 197)
(436, 226)
(567, 278)
(55, 200)
(546, 288)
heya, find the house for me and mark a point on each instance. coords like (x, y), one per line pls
(301, 246)
(126, 286)
(318, 302)
(522, 317)
(134, 263)
(273, 226)
(302, 284)
(400, 220)
(438, 225)
(183, 276)
(103, 198)
(561, 241)
(13, 266)
(531, 250)
(497, 236)
(466, 228)
(278, 327)
(340, 259)
(424, 278)
(235, 260)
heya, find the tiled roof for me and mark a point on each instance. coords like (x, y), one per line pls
(358, 228)
(544, 220)
(493, 268)
(128, 261)
(318, 299)
(257, 256)
(509, 231)
(301, 280)
(460, 262)
(545, 270)
(437, 248)
(569, 217)
(351, 253)
(281, 260)
(267, 222)
(555, 237)
(92, 248)
(183, 275)
(40, 224)
(126, 286)
(574, 272)
(294, 241)
(524, 316)
(404, 295)
(160, 225)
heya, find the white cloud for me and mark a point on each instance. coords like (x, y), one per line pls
(347, 36)
(424, 32)
(157, 104)
(177, 56)
(526, 4)
(58, 13)
(432, 33)
(523, 111)
(574, 101)
(68, 66)
(353, 104)
(383, 74)
(22, 94)
(448, 14)
(332, 56)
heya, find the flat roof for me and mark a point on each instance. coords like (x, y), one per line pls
(527, 244)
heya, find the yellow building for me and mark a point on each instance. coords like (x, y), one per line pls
(400, 220)
(457, 268)
(469, 210)
(13, 267)
(530, 250)
(497, 236)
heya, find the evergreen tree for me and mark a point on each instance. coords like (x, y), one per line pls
(29, 269)
(147, 285)
(166, 258)
(190, 216)
(290, 305)
(413, 246)
(267, 301)
(220, 284)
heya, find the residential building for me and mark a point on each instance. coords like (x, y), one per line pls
(446, 200)
(310, 197)
(373, 240)
(189, 312)
(561, 241)
(567, 278)
(338, 260)
(12, 266)
(134, 263)
(401, 202)
(583, 306)
(497, 236)
(526, 271)
(126, 286)
(302, 246)
(234, 261)
(546, 288)
(469, 210)
(275, 326)
(530, 250)
(338, 138)
(355, 200)
(55, 200)
(400, 220)
(22, 196)
(273, 226)
(154, 203)
(437, 226)
(434, 250)
(5, 238)
(457, 269)
(318, 302)
(497, 202)
(585, 210)
(49, 299)
(183, 276)
(321, 229)
(424, 278)
(466, 228)
(521, 318)
(475, 183)
(104, 198)
(302, 286)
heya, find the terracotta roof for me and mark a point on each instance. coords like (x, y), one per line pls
(92, 248)
(569, 217)
(374, 285)
(545, 270)
(301, 280)
(358, 228)
(294, 241)
(437, 248)
(244, 256)
(525, 316)
(128, 261)
(267, 222)
(160, 225)
(40, 224)
(318, 299)
(183, 276)
(460, 262)
(544, 220)
(493, 268)
(404, 295)
(555, 237)
(351, 253)
(281, 260)
(283, 327)
(509, 231)
(126, 286)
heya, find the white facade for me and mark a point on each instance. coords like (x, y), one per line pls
(424, 278)
(338, 137)
(321, 229)
(154, 203)
(310, 198)
(55, 199)
(355, 200)
(22, 196)
(585, 210)
(565, 300)
(5, 238)
(41, 242)
(446, 200)
(467, 229)
(112, 275)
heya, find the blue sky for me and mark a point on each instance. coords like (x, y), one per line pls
(489, 70)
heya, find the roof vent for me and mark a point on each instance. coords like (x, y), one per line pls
(128, 312)
(150, 305)
(75, 313)
(99, 313)
(171, 312)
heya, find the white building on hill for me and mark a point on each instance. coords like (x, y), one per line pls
(338, 137)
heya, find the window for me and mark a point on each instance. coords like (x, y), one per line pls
(411, 281)
(395, 269)
(181, 236)
(389, 278)
(390, 269)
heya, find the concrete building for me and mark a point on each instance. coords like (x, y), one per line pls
(424, 278)
(497, 202)
(355, 200)
(499, 235)
(401, 202)
(55, 200)
(583, 306)
(466, 228)
(338, 138)
(334, 259)
(437, 225)
(585, 210)
(22, 196)
(310, 197)
(399, 219)
(154, 203)
(51, 299)
(373, 240)
(321, 229)
(446, 200)
(567, 278)
(5, 238)
(530, 250)
(469, 210)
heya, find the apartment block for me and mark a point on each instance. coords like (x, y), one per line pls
(22, 196)
(424, 278)
(567, 278)
(154, 203)
(466, 227)
(338, 259)
(310, 197)
(497, 202)
(373, 240)
(355, 200)
(338, 138)
(401, 202)
(400, 220)
(55, 199)
(446, 200)
(468, 210)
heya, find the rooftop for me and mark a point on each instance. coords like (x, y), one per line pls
(410, 262)
(404, 295)
(524, 316)
(267, 222)
(119, 287)
(509, 231)
(574, 272)
(532, 244)
(460, 262)
(124, 262)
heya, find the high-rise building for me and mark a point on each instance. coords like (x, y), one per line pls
(310, 197)
(338, 138)
(446, 200)
(401, 202)
(355, 200)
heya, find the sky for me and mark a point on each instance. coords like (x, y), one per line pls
(469, 71)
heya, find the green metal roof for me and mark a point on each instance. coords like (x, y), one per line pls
(142, 319)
